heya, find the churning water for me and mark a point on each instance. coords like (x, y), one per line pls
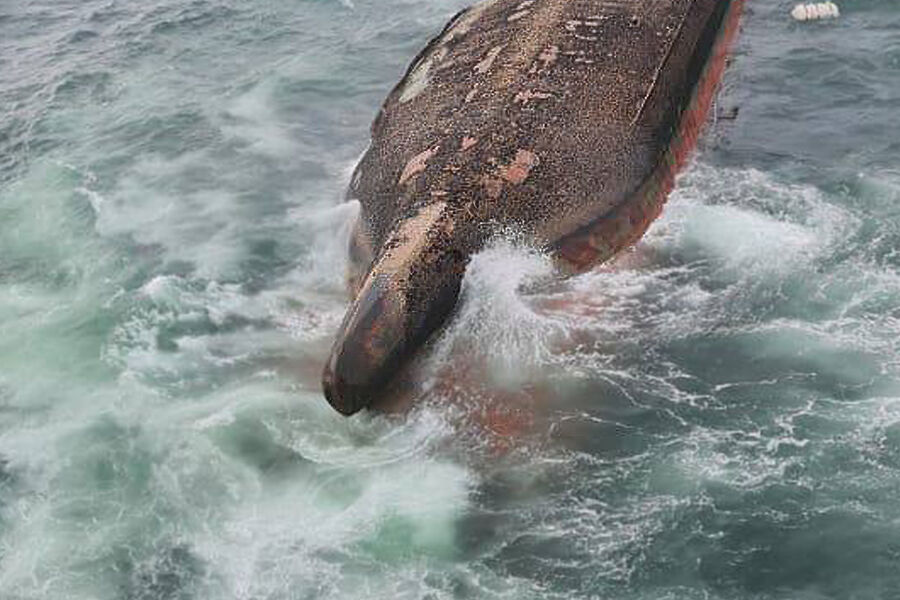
(716, 415)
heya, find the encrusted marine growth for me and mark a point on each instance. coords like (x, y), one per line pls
(566, 120)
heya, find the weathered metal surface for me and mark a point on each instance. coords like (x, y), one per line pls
(563, 119)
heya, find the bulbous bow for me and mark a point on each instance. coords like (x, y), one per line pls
(407, 294)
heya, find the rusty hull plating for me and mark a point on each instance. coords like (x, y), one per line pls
(564, 119)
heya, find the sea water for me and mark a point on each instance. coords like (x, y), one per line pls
(714, 415)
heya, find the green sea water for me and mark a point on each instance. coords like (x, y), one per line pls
(716, 416)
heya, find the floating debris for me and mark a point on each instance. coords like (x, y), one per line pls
(819, 10)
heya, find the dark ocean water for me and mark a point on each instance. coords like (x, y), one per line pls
(716, 416)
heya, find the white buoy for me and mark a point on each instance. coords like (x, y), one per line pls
(819, 10)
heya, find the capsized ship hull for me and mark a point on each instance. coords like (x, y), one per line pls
(565, 120)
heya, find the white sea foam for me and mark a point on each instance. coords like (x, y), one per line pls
(496, 322)
(253, 120)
